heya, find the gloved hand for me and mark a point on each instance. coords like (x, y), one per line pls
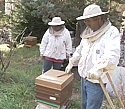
(102, 63)
(94, 73)
(72, 60)
(68, 68)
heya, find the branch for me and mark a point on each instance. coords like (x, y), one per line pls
(5, 63)
(20, 33)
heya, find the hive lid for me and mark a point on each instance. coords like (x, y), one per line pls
(30, 38)
(52, 80)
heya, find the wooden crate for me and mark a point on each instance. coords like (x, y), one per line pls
(30, 41)
(54, 89)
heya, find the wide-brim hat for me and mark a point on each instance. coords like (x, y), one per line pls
(56, 21)
(91, 11)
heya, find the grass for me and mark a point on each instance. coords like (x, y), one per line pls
(17, 84)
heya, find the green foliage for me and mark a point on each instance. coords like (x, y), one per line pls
(21, 17)
(35, 14)
(119, 1)
(16, 96)
(18, 83)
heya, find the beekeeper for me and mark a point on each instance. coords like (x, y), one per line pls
(56, 45)
(98, 52)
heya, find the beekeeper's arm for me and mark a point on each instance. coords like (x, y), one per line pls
(109, 59)
(75, 58)
(43, 44)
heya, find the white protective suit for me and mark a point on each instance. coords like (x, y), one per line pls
(98, 51)
(56, 45)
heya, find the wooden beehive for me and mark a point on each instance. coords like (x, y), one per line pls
(30, 41)
(54, 89)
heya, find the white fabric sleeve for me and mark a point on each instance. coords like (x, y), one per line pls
(76, 55)
(44, 42)
(68, 43)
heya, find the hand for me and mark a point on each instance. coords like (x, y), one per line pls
(72, 60)
(67, 57)
(93, 73)
(41, 56)
(68, 68)
(102, 63)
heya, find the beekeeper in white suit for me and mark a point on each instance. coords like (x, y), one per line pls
(98, 52)
(56, 45)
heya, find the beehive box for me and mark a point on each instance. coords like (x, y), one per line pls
(54, 89)
(30, 41)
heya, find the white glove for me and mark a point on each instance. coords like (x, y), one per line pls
(68, 68)
(94, 73)
(102, 63)
(72, 60)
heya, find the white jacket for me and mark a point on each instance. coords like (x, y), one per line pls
(106, 47)
(56, 47)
